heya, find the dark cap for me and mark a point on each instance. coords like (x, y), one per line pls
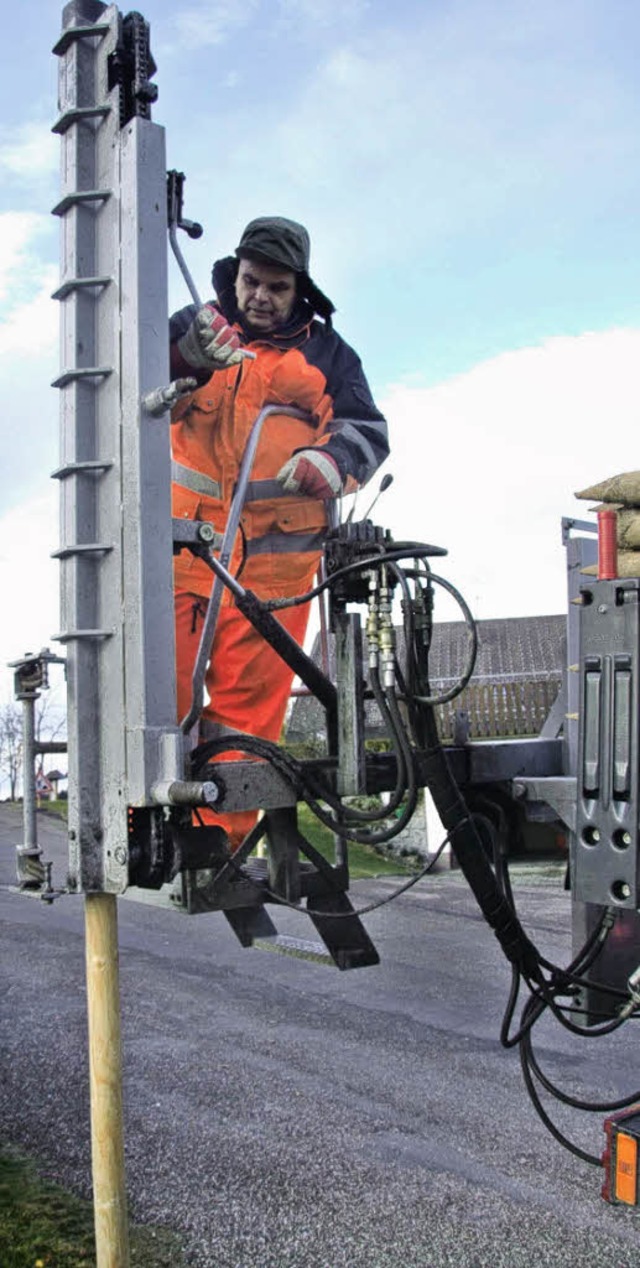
(276, 240)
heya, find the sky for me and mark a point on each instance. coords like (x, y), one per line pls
(469, 171)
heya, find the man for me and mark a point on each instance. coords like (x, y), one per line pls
(261, 342)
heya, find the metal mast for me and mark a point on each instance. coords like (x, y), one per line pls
(115, 552)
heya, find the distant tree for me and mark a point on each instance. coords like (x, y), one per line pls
(49, 724)
(11, 744)
(51, 718)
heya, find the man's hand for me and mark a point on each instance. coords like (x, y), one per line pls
(210, 343)
(312, 472)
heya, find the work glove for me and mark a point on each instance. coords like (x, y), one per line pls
(312, 472)
(210, 343)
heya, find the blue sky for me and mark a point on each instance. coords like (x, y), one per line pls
(469, 171)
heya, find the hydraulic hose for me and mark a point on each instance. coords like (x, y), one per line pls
(470, 855)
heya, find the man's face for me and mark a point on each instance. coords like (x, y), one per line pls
(265, 294)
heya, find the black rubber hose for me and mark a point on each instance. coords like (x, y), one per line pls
(471, 857)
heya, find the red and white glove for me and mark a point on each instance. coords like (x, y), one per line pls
(312, 472)
(210, 343)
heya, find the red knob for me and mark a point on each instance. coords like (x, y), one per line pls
(607, 545)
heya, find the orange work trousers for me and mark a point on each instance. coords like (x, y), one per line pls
(248, 684)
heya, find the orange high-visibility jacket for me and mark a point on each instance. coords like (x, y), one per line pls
(307, 365)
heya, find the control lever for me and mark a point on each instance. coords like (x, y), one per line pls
(176, 220)
(384, 485)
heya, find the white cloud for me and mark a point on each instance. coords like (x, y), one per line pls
(28, 576)
(29, 583)
(487, 463)
(212, 23)
(28, 316)
(28, 342)
(31, 328)
(18, 262)
(30, 151)
(28, 345)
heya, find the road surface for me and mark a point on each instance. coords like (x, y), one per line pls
(280, 1114)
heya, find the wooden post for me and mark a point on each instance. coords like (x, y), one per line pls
(105, 1074)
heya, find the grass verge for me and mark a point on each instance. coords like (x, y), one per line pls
(363, 860)
(44, 1226)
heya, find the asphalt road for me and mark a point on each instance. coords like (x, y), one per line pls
(280, 1114)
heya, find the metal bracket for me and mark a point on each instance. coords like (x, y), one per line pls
(556, 791)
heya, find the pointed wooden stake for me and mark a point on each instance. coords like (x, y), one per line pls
(105, 1073)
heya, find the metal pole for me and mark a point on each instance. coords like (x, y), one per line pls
(29, 825)
(30, 674)
(105, 1074)
(115, 552)
(29, 866)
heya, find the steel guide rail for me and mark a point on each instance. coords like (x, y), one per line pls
(115, 549)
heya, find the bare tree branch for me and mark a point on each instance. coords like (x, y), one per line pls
(11, 753)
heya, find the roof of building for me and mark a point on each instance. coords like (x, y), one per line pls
(515, 646)
(516, 679)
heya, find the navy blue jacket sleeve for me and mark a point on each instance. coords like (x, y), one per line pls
(358, 431)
